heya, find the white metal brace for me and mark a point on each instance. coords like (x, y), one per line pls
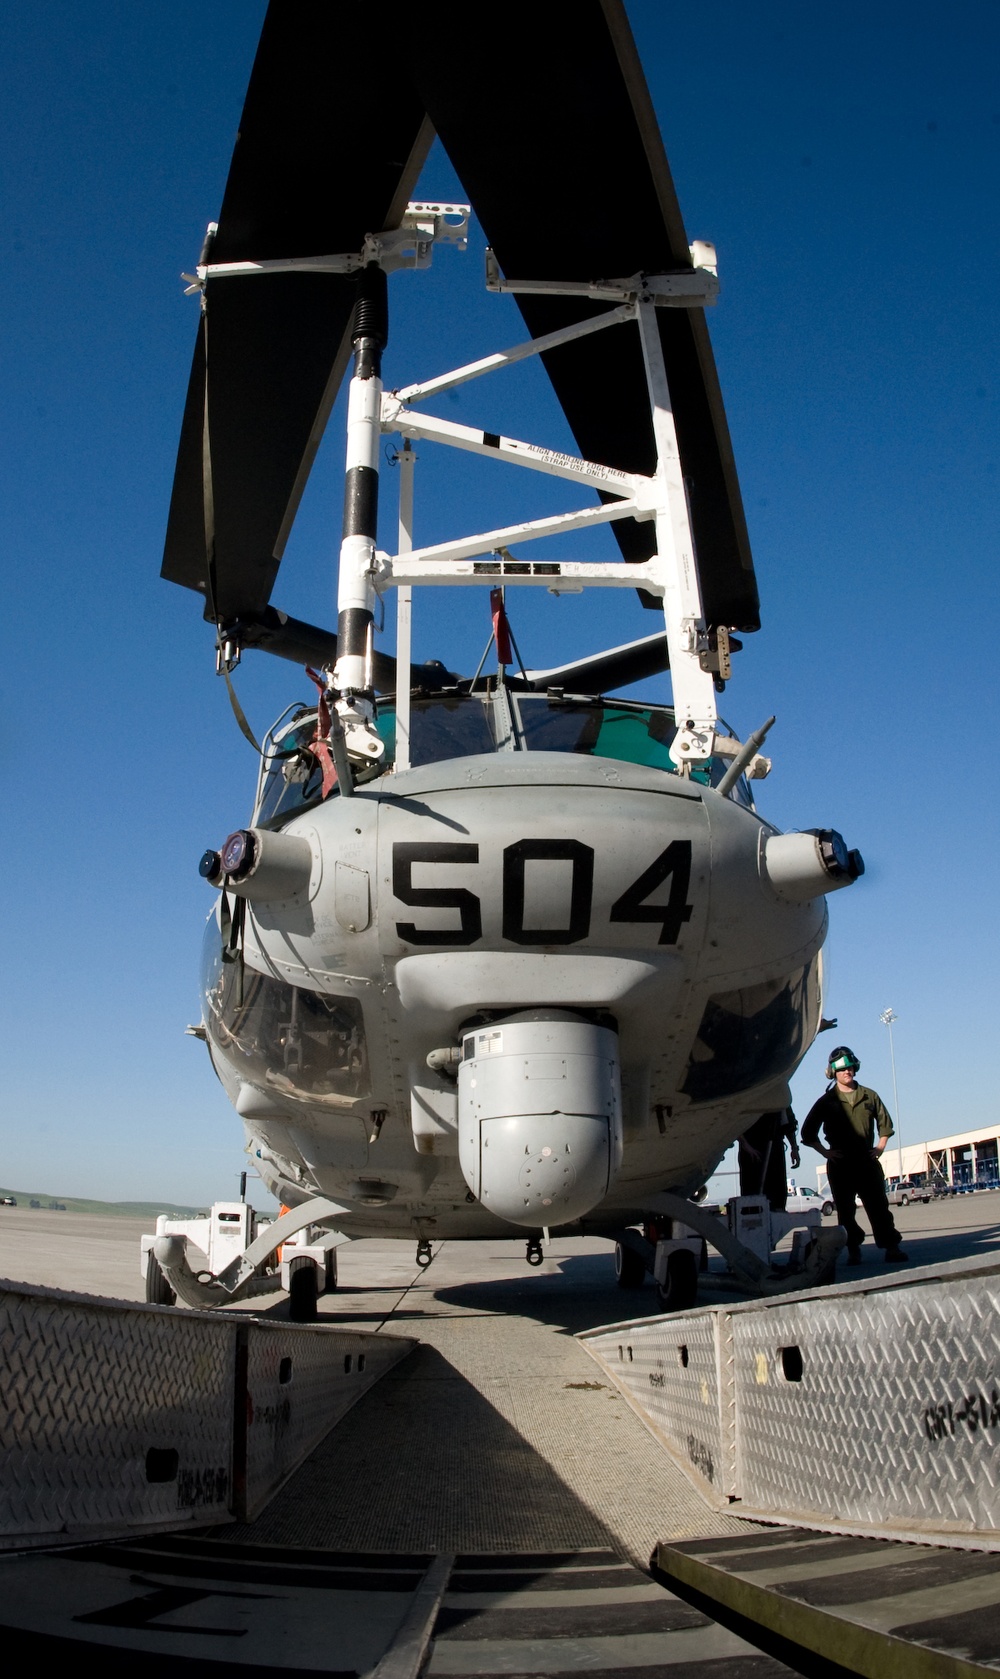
(670, 574)
(410, 245)
(694, 688)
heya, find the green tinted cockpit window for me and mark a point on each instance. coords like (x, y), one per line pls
(447, 726)
(633, 735)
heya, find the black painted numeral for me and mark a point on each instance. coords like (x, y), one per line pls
(581, 890)
(673, 864)
(437, 897)
(631, 906)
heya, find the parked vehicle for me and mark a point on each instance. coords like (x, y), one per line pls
(914, 1187)
(804, 1200)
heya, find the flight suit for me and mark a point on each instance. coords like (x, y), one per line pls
(849, 1120)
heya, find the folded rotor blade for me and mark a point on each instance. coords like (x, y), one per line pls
(635, 661)
(321, 159)
(553, 135)
(273, 631)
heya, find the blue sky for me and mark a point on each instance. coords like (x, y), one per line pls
(844, 161)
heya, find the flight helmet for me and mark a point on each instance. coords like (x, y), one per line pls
(842, 1058)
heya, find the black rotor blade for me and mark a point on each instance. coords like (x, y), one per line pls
(554, 137)
(635, 661)
(321, 159)
(273, 631)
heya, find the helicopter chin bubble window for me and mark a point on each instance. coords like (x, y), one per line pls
(304, 1044)
(748, 1036)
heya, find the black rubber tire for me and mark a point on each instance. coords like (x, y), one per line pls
(680, 1291)
(827, 1208)
(158, 1290)
(331, 1270)
(904, 1200)
(303, 1293)
(630, 1267)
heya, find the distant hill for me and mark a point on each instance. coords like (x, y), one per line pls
(108, 1209)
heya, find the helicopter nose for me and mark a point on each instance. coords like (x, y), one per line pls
(540, 1117)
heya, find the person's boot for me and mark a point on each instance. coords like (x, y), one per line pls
(853, 1256)
(896, 1256)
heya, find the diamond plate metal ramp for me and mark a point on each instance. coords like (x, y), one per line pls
(117, 1417)
(300, 1381)
(676, 1373)
(884, 1610)
(869, 1408)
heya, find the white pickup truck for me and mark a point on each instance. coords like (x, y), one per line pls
(802, 1200)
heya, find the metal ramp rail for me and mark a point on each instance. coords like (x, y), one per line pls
(868, 1408)
(120, 1418)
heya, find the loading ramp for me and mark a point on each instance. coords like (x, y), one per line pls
(497, 1443)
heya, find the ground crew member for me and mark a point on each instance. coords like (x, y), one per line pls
(763, 1170)
(850, 1115)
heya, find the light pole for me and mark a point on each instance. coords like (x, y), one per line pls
(888, 1018)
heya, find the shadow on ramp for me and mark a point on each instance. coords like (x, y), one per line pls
(426, 1463)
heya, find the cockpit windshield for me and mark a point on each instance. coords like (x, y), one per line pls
(633, 734)
(462, 725)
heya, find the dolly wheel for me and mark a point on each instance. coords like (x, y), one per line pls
(158, 1290)
(630, 1267)
(681, 1287)
(303, 1294)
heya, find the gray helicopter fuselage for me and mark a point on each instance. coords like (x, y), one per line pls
(447, 900)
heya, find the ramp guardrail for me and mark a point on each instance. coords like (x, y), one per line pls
(117, 1417)
(870, 1407)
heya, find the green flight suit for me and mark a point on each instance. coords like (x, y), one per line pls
(850, 1120)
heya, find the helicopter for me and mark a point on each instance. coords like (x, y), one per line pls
(501, 954)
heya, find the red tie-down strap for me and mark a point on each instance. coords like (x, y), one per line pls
(318, 746)
(501, 628)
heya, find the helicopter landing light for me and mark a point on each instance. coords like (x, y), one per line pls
(798, 867)
(259, 864)
(238, 853)
(210, 867)
(371, 1192)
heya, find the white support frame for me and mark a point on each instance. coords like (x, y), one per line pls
(404, 608)
(694, 688)
(671, 574)
(557, 524)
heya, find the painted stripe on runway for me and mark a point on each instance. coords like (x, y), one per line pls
(648, 1592)
(583, 1655)
(575, 1620)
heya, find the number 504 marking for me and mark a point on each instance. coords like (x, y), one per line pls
(674, 865)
